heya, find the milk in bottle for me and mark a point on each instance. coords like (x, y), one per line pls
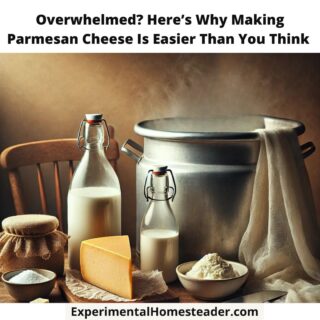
(94, 197)
(159, 233)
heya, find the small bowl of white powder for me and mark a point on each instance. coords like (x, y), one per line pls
(212, 278)
(28, 284)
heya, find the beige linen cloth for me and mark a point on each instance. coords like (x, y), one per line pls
(281, 245)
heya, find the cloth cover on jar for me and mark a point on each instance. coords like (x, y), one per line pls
(32, 241)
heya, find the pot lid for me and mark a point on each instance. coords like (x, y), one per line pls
(220, 128)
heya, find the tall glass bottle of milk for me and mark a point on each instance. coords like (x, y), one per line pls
(159, 233)
(94, 197)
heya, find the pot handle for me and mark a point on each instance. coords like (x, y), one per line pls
(136, 157)
(307, 149)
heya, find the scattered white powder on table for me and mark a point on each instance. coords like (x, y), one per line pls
(28, 277)
(212, 267)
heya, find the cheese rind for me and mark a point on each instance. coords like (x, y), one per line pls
(106, 263)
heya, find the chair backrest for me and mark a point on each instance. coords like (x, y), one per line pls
(47, 151)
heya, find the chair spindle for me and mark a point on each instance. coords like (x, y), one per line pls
(43, 198)
(57, 186)
(16, 190)
(71, 170)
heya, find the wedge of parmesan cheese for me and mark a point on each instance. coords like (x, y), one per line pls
(106, 263)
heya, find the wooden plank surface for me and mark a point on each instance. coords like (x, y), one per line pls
(60, 293)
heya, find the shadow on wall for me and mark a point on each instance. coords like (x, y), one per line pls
(44, 96)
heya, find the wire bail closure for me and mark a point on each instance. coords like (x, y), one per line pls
(148, 188)
(80, 136)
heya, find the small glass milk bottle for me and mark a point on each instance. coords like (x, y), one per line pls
(159, 233)
(94, 197)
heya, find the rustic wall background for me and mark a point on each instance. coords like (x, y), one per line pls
(44, 96)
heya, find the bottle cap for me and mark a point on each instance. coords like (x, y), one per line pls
(159, 170)
(93, 117)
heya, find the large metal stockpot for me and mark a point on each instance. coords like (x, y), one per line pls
(213, 161)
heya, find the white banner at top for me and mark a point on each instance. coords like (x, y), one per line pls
(159, 26)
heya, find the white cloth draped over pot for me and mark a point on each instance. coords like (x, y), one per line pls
(281, 244)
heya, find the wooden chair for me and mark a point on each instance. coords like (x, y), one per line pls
(47, 151)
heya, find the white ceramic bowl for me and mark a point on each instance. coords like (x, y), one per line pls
(212, 289)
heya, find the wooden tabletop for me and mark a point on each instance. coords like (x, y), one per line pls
(58, 296)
